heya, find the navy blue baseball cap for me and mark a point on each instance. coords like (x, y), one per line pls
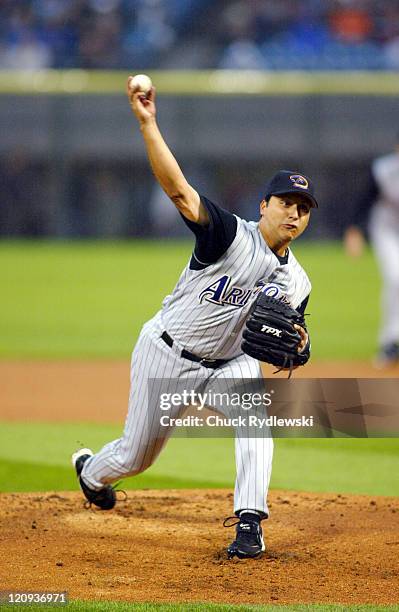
(287, 181)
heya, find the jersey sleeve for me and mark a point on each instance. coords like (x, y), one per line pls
(213, 240)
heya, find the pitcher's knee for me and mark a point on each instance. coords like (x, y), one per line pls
(131, 466)
(131, 461)
(138, 467)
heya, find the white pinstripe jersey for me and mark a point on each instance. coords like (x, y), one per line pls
(207, 309)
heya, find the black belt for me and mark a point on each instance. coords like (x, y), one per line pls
(207, 363)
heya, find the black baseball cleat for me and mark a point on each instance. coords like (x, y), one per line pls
(249, 542)
(105, 498)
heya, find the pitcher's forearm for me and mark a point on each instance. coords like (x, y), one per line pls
(164, 165)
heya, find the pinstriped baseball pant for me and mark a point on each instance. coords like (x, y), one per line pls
(143, 437)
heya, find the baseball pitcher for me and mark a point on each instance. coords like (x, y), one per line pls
(240, 300)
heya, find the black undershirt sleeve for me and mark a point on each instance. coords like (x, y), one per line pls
(213, 240)
(302, 306)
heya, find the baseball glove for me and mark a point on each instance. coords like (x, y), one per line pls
(270, 335)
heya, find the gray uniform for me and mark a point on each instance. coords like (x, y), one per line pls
(207, 310)
(384, 233)
(205, 315)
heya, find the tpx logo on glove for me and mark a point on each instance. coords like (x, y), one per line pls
(271, 330)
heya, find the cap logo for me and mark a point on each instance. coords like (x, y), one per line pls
(299, 181)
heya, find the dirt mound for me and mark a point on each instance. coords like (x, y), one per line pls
(170, 546)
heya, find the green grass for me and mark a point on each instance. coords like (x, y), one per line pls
(109, 606)
(81, 299)
(344, 303)
(90, 299)
(330, 465)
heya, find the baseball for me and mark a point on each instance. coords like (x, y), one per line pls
(141, 82)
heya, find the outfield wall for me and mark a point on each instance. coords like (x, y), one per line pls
(239, 128)
(221, 126)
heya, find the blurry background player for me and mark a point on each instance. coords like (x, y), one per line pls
(380, 207)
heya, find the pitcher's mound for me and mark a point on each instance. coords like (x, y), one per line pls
(170, 546)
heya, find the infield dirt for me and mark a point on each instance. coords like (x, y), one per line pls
(170, 546)
(98, 390)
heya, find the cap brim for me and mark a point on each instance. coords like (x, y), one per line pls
(307, 195)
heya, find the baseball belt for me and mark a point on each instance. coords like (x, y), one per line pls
(207, 363)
